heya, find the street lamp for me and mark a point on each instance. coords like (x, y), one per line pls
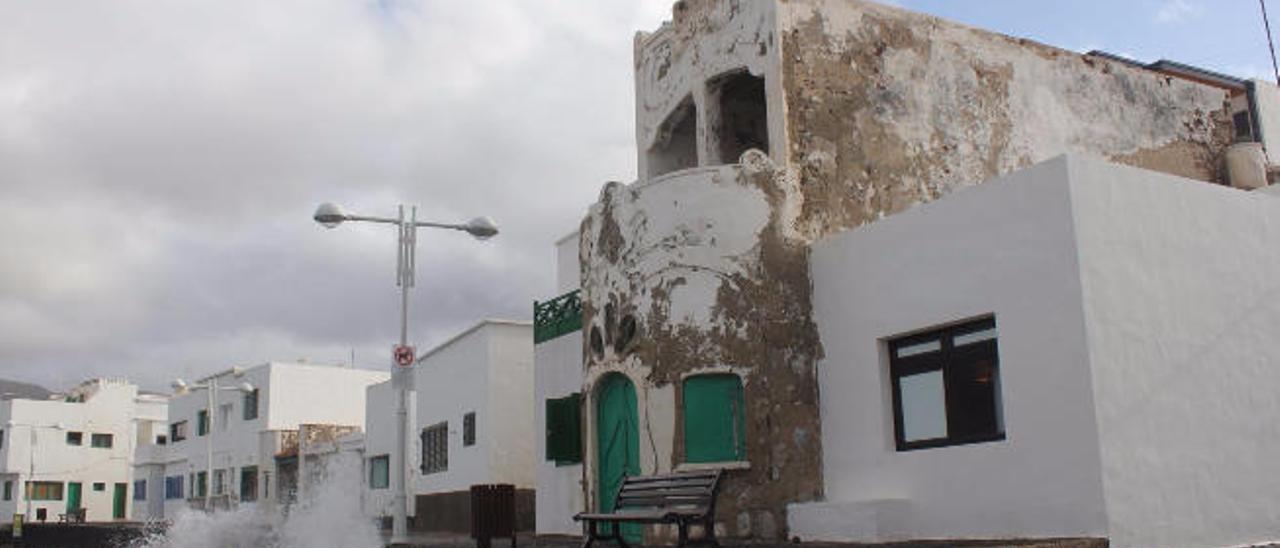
(211, 388)
(31, 457)
(482, 228)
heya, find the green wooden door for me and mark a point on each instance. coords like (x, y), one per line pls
(617, 443)
(73, 496)
(119, 494)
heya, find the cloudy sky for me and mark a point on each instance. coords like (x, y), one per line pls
(160, 161)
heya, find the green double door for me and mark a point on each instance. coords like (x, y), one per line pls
(617, 443)
(119, 497)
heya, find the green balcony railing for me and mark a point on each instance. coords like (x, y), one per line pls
(559, 316)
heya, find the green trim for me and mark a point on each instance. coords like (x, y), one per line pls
(559, 316)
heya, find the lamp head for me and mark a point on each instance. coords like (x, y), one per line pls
(482, 228)
(330, 215)
(179, 386)
(246, 387)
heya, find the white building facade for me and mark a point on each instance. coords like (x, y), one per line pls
(470, 425)
(74, 452)
(1076, 350)
(253, 433)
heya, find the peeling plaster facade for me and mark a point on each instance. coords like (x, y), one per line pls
(862, 111)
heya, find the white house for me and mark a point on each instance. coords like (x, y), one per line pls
(470, 424)
(253, 432)
(1078, 349)
(557, 387)
(74, 451)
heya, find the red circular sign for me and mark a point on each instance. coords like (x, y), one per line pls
(404, 356)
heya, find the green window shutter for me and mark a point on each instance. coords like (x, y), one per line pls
(714, 419)
(564, 431)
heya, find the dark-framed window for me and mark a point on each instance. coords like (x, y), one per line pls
(202, 422)
(380, 472)
(564, 429)
(75, 438)
(99, 486)
(249, 484)
(102, 441)
(140, 489)
(435, 448)
(8, 490)
(173, 487)
(178, 431)
(251, 405)
(946, 386)
(44, 490)
(469, 429)
(714, 418)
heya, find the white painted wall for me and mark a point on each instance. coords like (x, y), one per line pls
(568, 269)
(380, 439)
(1179, 278)
(1004, 248)
(1266, 98)
(507, 424)
(559, 488)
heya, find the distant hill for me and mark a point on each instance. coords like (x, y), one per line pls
(14, 389)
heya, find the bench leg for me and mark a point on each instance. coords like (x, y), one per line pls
(709, 533)
(589, 528)
(684, 533)
(617, 535)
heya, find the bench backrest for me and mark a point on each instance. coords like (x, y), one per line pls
(696, 490)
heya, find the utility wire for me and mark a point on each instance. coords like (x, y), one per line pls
(1270, 43)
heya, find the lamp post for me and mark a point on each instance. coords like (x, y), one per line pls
(482, 228)
(31, 461)
(211, 388)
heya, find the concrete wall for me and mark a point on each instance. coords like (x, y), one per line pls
(1005, 248)
(380, 439)
(887, 107)
(1179, 281)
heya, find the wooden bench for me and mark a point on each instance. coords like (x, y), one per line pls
(682, 498)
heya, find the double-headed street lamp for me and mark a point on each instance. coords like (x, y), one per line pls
(211, 388)
(482, 228)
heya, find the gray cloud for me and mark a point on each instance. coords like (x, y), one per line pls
(159, 164)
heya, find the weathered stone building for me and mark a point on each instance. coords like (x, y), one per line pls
(763, 126)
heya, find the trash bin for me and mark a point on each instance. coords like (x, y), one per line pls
(493, 513)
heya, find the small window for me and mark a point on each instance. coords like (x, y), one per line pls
(162, 440)
(202, 422)
(380, 472)
(1, 438)
(44, 490)
(251, 405)
(219, 481)
(469, 429)
(75, 438)
(173, 487)
(714, 419)
(99, 486)
(178, 431)
(102, 441)
(249, 484)
(201, 484)
(946, 387)
(564, 429)
(8, 490)
(435, 448)
(140, 489)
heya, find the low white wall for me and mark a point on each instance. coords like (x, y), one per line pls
(1004, 248)
(558, 373)
(508, 424)
(1180, 280)
(380, 439)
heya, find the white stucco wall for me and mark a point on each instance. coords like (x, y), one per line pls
(559, 488)
(568, 269)
(380, 439)
(507, 423)
(1178, 281)
(1003, 248)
